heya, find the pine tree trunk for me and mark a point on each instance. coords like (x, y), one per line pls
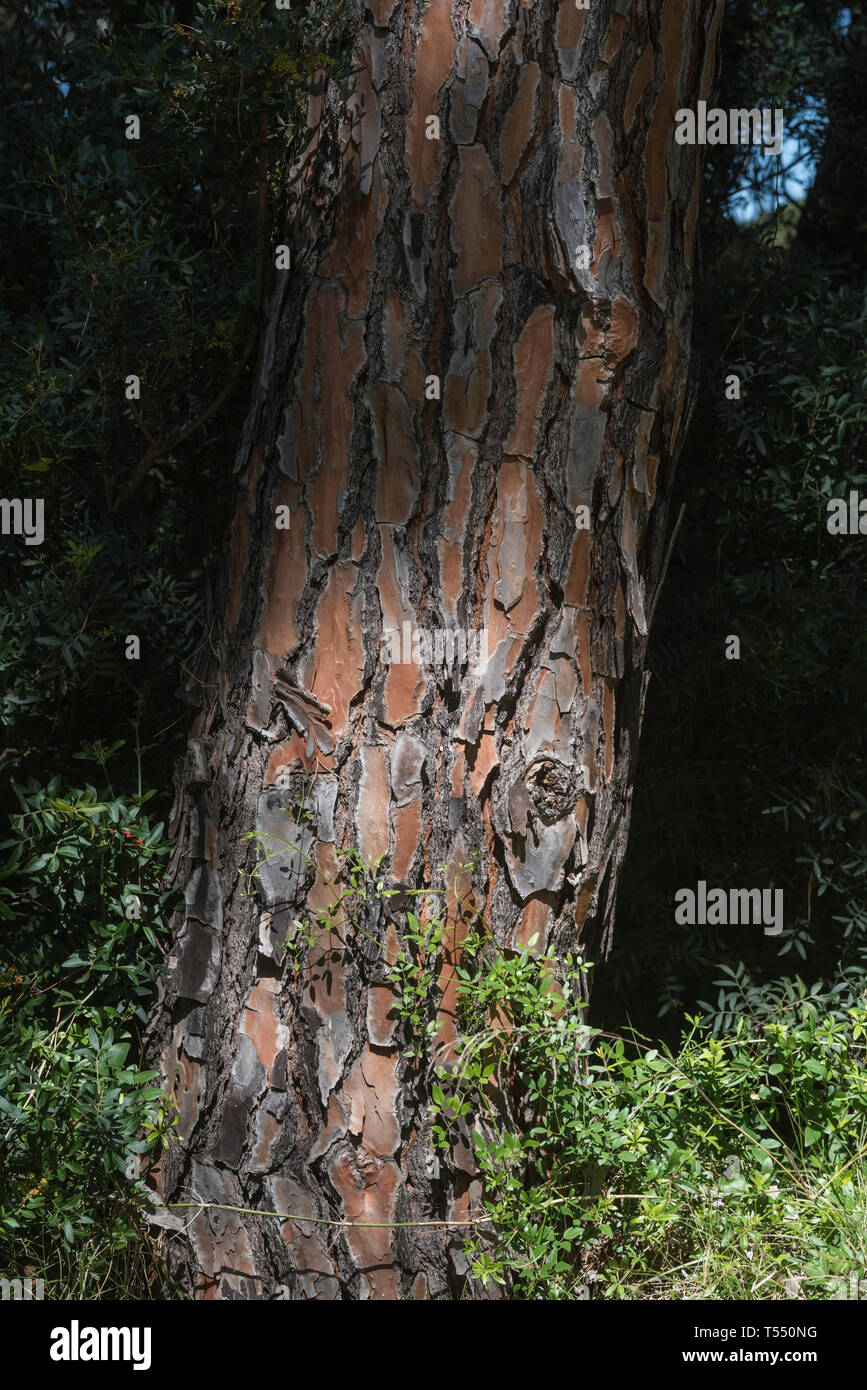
(563, 387)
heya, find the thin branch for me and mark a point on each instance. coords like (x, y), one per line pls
(325, 1220)
(136, 413)
(668, 554)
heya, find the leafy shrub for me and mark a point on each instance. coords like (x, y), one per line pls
(723, 1169)
(726, 1167)
(83, 902)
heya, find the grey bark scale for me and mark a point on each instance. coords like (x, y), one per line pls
(562, 386)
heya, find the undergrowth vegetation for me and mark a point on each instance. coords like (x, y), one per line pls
(727, 1167)
(83, 902)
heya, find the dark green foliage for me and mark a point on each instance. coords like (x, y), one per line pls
(83, 903)
(784, 54)
(146, 257)
(752, 771)
(149, 257)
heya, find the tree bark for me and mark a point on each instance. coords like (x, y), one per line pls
(561, 388)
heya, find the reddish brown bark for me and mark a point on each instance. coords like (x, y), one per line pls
(561, 387)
